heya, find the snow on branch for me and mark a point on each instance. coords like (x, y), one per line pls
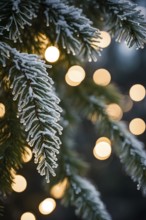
(15, 14)
(131, 153)
(130, 150)
(126, 21)
(38, 108)
(86, 199)
(72, 28)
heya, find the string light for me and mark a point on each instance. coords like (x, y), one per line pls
(103, 139)
(47, 206)
(76, 74)
(137, 126)
(58, 190)
(26, 157)
(137, 92)
(28, 216)
(2, 110)
(114, 111)
(105, 41)
(102, 77)
(102, 150)
(69, 82)
(19, 184)
(52, 54)
(127, 103)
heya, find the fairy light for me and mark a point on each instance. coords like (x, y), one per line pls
(102, 149)
(76, 74)
(105, 39)
(70, 82)
(2, 110)
(103, 139)
(137, 92)
(114, 111)
(102, 77)
(28, 216)
(19, 184)
(127, 104)
(47, 206)
(58, 190)
(26, 157)
(137, 126)
(52, 54)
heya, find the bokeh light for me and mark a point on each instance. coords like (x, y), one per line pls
(69, 82)
(47, 206)
(137, 126)
(52, 54)
(26, 157)
(102, 150)
(114, 111)
(76, 74)
(2, 110)
(58, 190)
(19, 184)
(102, 77)
(105, 41)
(137, 92)
(126, 103)
(28, 216)
(103, 139)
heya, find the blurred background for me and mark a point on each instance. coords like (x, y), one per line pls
(126, 69)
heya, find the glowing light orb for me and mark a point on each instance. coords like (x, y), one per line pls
(19, 184)
(137, 92)
(52, 54)
(70, 82)
(28, 216)
(76, 74)
(102, 77)
(114, 111)
(137, 126)
(47, 206)
(103, 139)
(58, 190)
(2, 110)
(102, 150)
(105, 41)
(27, 155)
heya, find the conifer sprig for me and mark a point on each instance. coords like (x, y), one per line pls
(38, 108)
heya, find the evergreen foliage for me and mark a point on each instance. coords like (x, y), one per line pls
(32, 100)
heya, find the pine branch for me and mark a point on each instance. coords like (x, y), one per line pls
(80, 192)
(38, 108)
(73, 30)
(86, 199)
(125, 21)
(130, 151)
(15, 15)
(12, 143)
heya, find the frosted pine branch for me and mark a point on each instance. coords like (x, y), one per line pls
(86, 199)
(131, 153)
(15, 15)
(38, 108)
(73, 30)
(126, 21)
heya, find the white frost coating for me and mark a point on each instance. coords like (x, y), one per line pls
(70, 23)
(38, 108)
(20, 13)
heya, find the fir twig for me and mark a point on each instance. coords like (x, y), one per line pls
(130, 151)
(38, 108)
(15, 15)
(126, 22)
(73, 29)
